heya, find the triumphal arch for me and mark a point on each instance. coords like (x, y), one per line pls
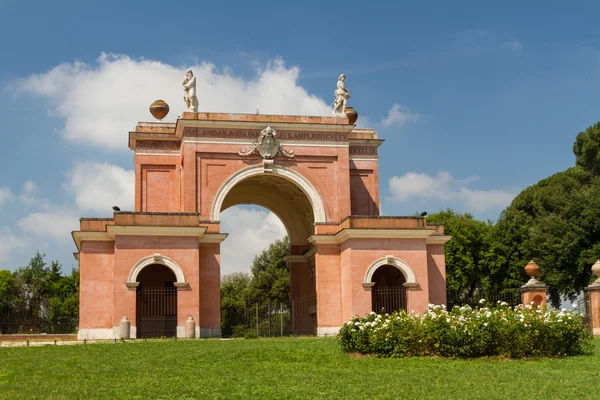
(318, 174)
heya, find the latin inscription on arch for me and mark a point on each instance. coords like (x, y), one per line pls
(363, 150)
(254, 133)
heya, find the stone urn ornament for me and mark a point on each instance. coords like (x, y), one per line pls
(159, 109)
(351, 114)
(596, 271)
(532, 270)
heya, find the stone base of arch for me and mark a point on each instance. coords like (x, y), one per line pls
(336, 269)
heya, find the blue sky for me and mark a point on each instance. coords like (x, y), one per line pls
(476, 101)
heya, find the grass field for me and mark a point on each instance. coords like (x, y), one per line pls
(279, 369)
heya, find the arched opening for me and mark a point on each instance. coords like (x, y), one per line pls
(537, 300)
(265, 207)
(388, 293)
(156, 302)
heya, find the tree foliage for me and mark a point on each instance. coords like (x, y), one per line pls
(267, 284)
(470, 263)
(556, 222)
(41, 294)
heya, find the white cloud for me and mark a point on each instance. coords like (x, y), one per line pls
(399, 115)
(449, 190)
(29, 196)
(513, 45)
(54, 224)
(6, 195)
(101, 103)
(251, 230)
(99, 186)
(10, 243)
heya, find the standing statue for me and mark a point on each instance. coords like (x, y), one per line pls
(341, 96)
(189, 92)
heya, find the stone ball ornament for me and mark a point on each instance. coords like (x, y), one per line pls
(159, 109)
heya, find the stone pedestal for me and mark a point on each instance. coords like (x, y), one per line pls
(592, 307)
(534, 293)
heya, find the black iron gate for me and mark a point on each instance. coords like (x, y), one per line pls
(156, 310)
(388, 298)
(587, 310)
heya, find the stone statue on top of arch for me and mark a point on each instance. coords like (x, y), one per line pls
(341, 97)
(189, 92)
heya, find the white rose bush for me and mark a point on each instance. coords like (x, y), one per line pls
(467, 332)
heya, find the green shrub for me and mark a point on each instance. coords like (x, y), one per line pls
(523, 331)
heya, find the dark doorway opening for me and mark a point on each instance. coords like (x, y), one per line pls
(156, 303)
(388, 294)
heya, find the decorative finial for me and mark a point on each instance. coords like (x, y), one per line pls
(159, 109)
(532, 269)
(596, 271)
(189, 92)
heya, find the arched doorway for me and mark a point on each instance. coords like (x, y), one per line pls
(286, 200)
(156, 302)
(388, 293)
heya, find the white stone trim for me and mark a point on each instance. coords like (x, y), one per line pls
(80, 236)
(402, 265)
(286, 173)
(328, 330)
(138, 230)
(213, 237)
(351, 233)
(96, 333)
(438, 239)
(310, 253)
(364, 158)
(156, 259)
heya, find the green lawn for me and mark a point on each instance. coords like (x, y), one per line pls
(279, 369)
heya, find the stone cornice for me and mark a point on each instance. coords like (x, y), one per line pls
(346, 234)
(213, 237)
(118, 230)
(437, 239)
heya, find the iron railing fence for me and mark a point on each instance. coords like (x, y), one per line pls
(271, 319)
(156, 311)
(584, 304)
(481, 298)
(55, 315)
(387, 299)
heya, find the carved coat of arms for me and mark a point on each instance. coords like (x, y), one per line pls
(267, 146)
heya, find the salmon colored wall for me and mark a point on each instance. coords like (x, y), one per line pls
(324, 167)
(131, 249)
(210, 279)
(327, 271)
(96, 298)
(538, 296)
(436, 264)
(364, 187)
(158, 165)
(363, 252)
